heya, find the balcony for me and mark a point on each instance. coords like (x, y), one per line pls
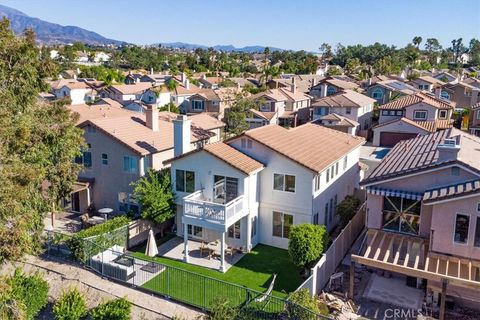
(197, 209)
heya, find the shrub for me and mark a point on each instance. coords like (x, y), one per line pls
(304, 306)
(307, 243)
(70, 306)
(222, 309)
(100, 237)
(117, 309)
(347, 209)
(27, 293)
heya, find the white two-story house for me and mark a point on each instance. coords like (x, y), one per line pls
(254, 187)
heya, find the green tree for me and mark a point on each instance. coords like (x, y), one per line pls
(474, 52)
(117, 309)
(304, 306)
(70, 306)
(326, 51)
(433, 48)
(38, 143)
(307, 243)
(154, 193)
(236, 115)
(352, 65)
(416, 41)
(347, 208)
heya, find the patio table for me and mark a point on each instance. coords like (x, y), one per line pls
(96, 220)
(214, 250)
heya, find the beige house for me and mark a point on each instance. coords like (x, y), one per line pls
(123, 145)
(426, 83)
(332, 85)
(475, 120)
(464, 94)
(406, 117)
(210, 101)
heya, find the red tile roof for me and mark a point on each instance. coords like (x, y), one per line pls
(415, 98)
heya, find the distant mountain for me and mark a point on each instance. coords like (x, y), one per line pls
(52, 33)
(226, 48)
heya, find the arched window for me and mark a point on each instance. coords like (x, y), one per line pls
(331, 90)
(377, 93)
(445, 95)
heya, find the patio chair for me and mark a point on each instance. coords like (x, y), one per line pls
(204, 247)
(229, 251)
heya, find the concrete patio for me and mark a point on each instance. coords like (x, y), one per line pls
(173, 249)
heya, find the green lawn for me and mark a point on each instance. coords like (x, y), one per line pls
(254, 271)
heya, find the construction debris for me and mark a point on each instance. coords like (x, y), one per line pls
(341, 309)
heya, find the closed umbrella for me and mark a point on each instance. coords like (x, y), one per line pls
(152, 249)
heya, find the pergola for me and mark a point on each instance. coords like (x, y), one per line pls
(409, 255)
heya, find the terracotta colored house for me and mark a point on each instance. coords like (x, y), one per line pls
(423, 216)
(416, 114)
(387, 90)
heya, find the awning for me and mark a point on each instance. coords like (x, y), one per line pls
(80, 186)
(394, 193)
(409, 255)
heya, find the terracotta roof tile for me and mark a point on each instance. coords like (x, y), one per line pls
(346, 98)
(415, 98)
(233, 157)
(313, 146)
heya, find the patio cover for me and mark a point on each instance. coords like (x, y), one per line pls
(409, 255)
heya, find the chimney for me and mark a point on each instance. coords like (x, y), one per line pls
(151, 70)
(438, 92)
(369, 81)
(324, 90)
(187, 84)
(181, 135)
(314, 82)
(183, 78)
(152, 117)
(293, 87)
(448, 149)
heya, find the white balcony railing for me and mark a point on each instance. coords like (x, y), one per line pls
(196, 206)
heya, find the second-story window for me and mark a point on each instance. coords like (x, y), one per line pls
(185, 181)
(130, 164)
(345, 162)
(442, 114)
(348, 110)
(197, 105)
(401, 214)
(420, 115)
(283, 182)
(104, 158)
(317, 182)
(462, 222)
(85, 158)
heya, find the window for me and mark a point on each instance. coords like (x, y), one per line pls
(442, 114)
(328, 175)
(281, 224)
(185, 181)
(420, 115)
(194, 231)
(283, 182)
(266, 107)
(246, 143)
(254, 227)
(476, 241)
(468, 92)
(478, 114)
(345, 162)
(399, 113)
(146, 163)
(348, 110)
(225, 189)
(85, 159)
(317, 182)
(331, 90)
(462, 222)
(104, 158)
(455, 171)
(130, 164)
(445, 95)
(336, 168)
(423, 86)
(197, 105)
(321, 111)
(392, 112)
(234, 230)
(315, 218)
(377, 93)
(401, 214)
(384, 112)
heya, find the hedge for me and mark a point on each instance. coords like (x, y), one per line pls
(93, 240)
(118, 309)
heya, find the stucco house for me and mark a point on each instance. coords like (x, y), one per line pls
(465, 94)
(283, 106)
(475, 120)
(126, 93)
(254, 187)
(338, 122)
(332, 85)
(79, 92)
(426, 83)
(406, 117)
(423, 216)
(158, 96)
(122, 145)
(213, 102)
(347, 103)
(387, 90)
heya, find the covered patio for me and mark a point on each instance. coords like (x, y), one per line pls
(198, 254)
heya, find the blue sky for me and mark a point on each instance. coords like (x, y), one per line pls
(289, 24)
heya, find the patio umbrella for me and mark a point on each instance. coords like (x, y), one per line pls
(152, 249)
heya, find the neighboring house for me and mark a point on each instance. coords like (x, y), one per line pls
(79, 92)
(122, 145)
(475, 120)
(426, 83)
(263, 182)
(332, 85)
(387, 90)
(183, 90)
(465, 95)
(347, 103)
(101, 57)
(107, 102)
(132, 78)
(283, 106)
(445, 77)
(125, 93)
(338, 122)
(158, 96)
(423, 216)
(210, 82)
(213, 102)
(304, 82)
(156, 79)
(409, 116)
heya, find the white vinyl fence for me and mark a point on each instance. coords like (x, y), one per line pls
(329, 262)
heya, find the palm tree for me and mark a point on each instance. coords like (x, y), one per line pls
(416, 41)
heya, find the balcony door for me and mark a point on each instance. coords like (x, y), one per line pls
(225, 189)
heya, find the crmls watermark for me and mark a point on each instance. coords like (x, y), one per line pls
(401, 313)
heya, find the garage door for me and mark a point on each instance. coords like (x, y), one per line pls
(389, 139)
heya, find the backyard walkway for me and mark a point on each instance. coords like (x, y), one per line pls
(173, 249)
(61, 276)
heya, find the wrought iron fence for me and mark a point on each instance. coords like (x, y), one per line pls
(181, 285)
